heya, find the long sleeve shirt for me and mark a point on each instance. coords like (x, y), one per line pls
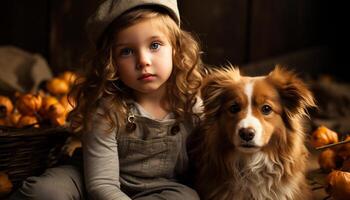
(121, 165)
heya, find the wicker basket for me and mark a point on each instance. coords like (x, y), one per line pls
(29, 151)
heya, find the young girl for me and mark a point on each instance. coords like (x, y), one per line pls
(135, 108)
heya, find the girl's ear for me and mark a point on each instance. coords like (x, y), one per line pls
(295, 95)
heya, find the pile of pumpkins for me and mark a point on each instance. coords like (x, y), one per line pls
(49, 104)
(335, 161)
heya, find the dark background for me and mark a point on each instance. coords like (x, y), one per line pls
(308, 35)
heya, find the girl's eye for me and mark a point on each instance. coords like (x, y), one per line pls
(235, 108)
(266, 109)
(126, 52)
(155, 45)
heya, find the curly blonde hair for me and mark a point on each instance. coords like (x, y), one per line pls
(101, 81)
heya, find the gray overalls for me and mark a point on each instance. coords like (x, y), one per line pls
(142, 164)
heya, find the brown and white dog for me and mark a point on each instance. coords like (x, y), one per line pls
(250, 144)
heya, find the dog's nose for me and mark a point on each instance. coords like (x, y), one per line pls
(246, 134)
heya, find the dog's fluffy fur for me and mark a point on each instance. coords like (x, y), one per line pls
(250, 144)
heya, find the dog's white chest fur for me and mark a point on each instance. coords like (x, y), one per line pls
(257, 177)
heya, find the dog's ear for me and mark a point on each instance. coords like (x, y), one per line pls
(295, 95)
(214, 87)
(212, 95)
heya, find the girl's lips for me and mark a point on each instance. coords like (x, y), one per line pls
(146, 77)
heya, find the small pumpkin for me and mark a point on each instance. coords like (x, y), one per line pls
(28, 104)
(328, 160)
(338, 185)
(68, 104)
(57, 86)
(58, 121)
(14, 118)
(56, 110)
(48, 101)
(323, 136)
(69, 77)
(3, 122)
(6, 106)
(5, 184)
(27, 120)
(57, 114)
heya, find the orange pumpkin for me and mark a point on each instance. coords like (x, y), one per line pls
(5, 184)
(338, 185)
(323, 136)
(58, 121)
(26, 120)
(68, 76)
(48, 100)
(57, 114)
(6, 106)
(67, 104)
(56, 110)
(3, 122)
(14, 118)
(28, 104)
(328, 160)
(57, 86)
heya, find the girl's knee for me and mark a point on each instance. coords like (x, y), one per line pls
(170, 193)
(47, 189)
(191, 194)
(53, 184)
(38, 188)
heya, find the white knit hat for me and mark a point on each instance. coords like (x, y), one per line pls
(109, 10)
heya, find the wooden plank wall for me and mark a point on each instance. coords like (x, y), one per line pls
(68, 40)
(25, 24)
(278, 27)
(221, 27)
(243, 31)
(235, 31)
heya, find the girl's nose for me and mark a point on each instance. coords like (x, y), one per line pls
(144, 59)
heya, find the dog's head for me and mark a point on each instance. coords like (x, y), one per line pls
(251, 112)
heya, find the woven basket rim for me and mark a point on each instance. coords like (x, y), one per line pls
(6, 131)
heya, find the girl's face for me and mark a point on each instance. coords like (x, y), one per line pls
(143, 55)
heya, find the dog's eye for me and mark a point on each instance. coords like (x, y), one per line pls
(266, 109)
(235, 108)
